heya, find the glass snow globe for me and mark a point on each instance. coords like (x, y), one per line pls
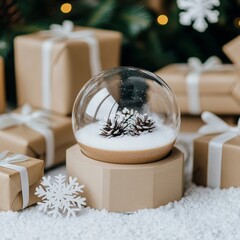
(126, 115)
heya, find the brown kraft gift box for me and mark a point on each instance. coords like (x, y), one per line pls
(230, 176)
(2, 87)
(10, 184)
(22, 139)
(219, 90)
(70, 66)
(232, 50)
(127, 187)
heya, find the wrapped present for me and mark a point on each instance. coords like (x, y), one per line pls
(127, 187)
(60, 61)
(232, 50)
(39, 134)
(211, 86)
(2, 87)
(216, 154)
(189, 131)
(19, 177)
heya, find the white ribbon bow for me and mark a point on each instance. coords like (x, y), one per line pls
(197, 66)
(38, 121)
(7, 161)
(196, 69)
(57, 33)
(213, 125)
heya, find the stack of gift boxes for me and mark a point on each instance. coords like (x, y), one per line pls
(51, 67)
(213, 87)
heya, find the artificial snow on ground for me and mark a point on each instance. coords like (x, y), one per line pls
(202, 213)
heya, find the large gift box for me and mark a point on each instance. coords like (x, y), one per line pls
(60, 61)
(232, 50)
(200, 87)
(2, 88)
(127, 187)
(19, 177)
(38, 134)
(216, 154)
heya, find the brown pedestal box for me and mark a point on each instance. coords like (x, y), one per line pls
(127, 187)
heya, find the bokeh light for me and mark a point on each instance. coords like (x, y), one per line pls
(162, 19)
(237, 22)
(66, 7)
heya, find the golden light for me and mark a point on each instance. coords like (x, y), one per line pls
(66, 7)
(237, 22)
(162, 19)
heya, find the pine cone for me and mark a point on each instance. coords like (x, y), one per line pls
(114, 128)
(142, 124)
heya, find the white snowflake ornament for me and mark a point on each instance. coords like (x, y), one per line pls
(60, 198)
(198, 12)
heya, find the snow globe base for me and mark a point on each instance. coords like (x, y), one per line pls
(127, 187)
(128, 156)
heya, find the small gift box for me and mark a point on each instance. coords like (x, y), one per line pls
(216, 154)
(211, 86)
(232, 50)
(189, 131)
(60, 61)
(39, 134)
(19, 177)
(2, 87)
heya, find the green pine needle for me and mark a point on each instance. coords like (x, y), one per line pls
(137, 18)
(102, 13)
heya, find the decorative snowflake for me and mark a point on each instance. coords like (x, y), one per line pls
(198, 11)
(60, 198)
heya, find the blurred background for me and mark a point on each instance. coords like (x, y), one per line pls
(155, 32)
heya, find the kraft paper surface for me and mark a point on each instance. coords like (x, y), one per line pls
(22, 139)
(219, 90)
(232, 50)
(10, 184)
(124, 187)
(70, 67)
(230, 162)
(2, 87)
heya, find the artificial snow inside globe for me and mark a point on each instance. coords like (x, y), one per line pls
(126, 115)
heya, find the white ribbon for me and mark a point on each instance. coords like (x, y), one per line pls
(37, 121)
(58, 33)
(216, 125)
(197, 68)
(7, 161)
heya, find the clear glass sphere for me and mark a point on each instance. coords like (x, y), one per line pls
(126, 115)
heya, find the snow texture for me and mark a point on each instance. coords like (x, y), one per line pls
(198, 12)
(202, 214)
(60, 198)
(160, 137)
